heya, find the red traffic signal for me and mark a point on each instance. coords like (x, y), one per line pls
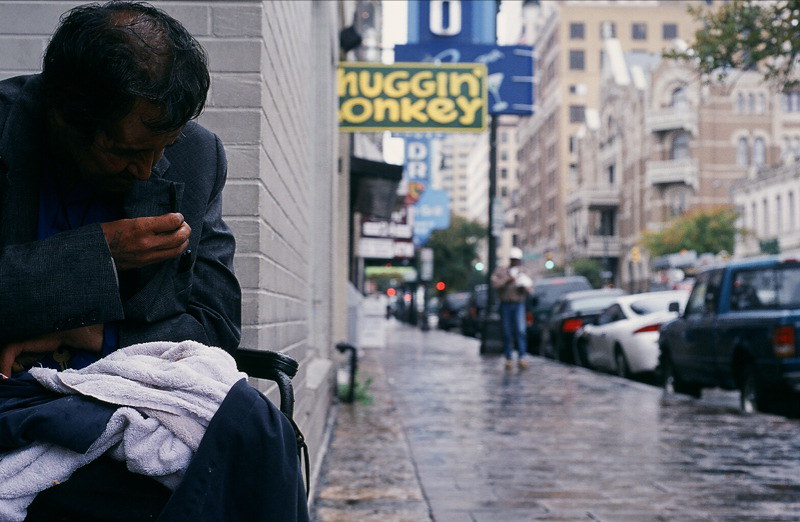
(440, 286)
(391, 292)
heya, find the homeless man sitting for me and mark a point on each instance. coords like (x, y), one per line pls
(116, 264)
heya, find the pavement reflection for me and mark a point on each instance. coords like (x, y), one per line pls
(554, 442)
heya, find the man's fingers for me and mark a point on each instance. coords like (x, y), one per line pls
(164, 223)
(7, 356)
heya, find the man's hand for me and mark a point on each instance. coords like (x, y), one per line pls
(139, 242)
(88, 338)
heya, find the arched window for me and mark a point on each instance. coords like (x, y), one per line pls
(740, 104)
(742, 152)
(759, 152)
(751, 103)
(680, 146)
(761, 104)
(680, 100)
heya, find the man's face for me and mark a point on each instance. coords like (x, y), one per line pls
(124, 153)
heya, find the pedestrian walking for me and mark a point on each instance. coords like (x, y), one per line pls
(513, 285)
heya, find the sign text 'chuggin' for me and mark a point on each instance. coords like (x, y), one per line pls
(412, 97)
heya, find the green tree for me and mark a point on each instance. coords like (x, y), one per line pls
(589, 268)
(454, 251)
(702, 231)
(747, 35)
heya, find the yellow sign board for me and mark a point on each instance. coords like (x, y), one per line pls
(412, 97)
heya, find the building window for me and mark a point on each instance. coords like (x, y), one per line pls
(751, 103)
(504, 155)
(761, 103)
(742, 152)
(765, 213)
(759, 152)
(680, 99)
(608, 30)
(611, 174)
(740, 104)
(577, 60)
(790, 202)
(576, 31)
(680, 146)
(503, 192)
(670, 31)
(504, 173)
(779, 214)
(639, 31)
(754, 217)
(577, 113)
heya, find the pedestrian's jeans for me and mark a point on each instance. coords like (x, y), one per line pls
(512, 316)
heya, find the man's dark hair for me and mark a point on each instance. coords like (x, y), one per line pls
(102, 58)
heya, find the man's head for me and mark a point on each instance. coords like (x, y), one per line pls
(121, 80)
(515, 256)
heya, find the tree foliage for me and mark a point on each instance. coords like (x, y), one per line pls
(747, 35)
(702, 231)
(454, 251)
(589, 268)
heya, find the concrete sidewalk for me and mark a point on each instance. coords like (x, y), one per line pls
(452, 436)
(368, 473)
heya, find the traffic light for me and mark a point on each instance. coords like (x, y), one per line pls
(440, 286)
(548, 260)
(391, 292)
(635, 254)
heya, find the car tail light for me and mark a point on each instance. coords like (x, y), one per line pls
(783, 342)
(649, 328)
(528, 318)
(571, 325)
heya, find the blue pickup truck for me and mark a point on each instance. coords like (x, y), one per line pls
(739, 331)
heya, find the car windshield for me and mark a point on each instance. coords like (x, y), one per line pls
(458, 300)
(550, 292)
(592, 303)
(651, 305)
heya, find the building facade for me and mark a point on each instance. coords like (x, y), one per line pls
(273, 103)
(568, 40)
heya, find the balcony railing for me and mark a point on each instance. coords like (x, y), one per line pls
(671, 118)
(684, 171)
(593, 196)
(598, 247)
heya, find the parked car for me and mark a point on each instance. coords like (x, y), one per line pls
(475, 313)
(739, 331)
(541, 301)
(624, 338)
(452, 308)
(571, 311)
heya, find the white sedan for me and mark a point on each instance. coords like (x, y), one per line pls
(624, 339)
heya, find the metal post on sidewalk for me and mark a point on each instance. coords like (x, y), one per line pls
(491, 256)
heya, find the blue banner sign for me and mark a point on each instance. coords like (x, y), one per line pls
(431, 212)
(510, 70)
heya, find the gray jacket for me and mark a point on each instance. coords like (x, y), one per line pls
(69, 279)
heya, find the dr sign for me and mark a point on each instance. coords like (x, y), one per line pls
(412, 97)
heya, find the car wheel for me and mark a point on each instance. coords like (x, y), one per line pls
(621, 364)
(749, 393)
(672, 383)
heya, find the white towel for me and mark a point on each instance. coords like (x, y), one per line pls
(180, 384)
(171, 389)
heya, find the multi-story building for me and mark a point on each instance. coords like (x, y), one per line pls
(567, 37)
(664, 143)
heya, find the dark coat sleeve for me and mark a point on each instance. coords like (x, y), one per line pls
(60, 283)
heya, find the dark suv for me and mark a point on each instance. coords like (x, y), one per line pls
(540, 304)
(739, 330)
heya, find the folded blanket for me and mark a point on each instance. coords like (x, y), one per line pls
(170, 392)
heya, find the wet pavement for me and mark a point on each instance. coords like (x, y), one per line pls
(451, 435)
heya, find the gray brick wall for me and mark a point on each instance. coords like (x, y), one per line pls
(272, 102)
